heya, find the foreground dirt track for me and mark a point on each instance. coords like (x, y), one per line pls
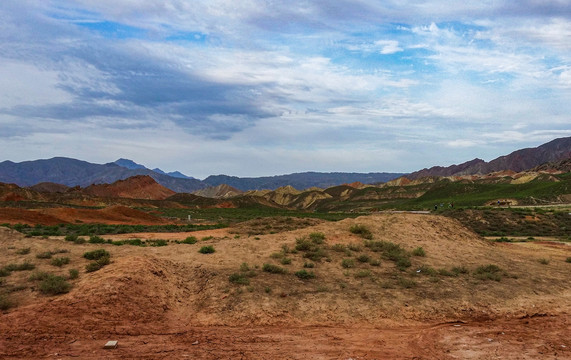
(174, 303)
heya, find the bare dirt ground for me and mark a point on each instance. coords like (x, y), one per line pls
(173, 302)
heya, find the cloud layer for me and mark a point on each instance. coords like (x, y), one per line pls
(262, 87)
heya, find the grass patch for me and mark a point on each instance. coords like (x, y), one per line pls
(6, 303)
(38, 275)
(406, 283)
(20, 267)
(338, 248)
(239, 278)
(363, 258)
(96, 254)
(460, 270)
(362, 231)
(354, 247)
(543, 261)
(96, 240)
(23, 251)
(375, 262)
(190, 240)
(73, 273)
(54, 285)
(158, 242)
(419, 251)
(426, 270)
(4, 272)
(362, 274)
(274, 269)
(60, 261)
(348, 263)
(568, 260)
(309, 265)
(285, 261)
(304, 274)
(488, 272)
(207, 250)
(44, 255)
(98, 264)
(317, 237)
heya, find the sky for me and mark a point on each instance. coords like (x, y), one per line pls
(256, 88)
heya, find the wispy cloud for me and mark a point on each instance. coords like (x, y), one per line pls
(300, 81)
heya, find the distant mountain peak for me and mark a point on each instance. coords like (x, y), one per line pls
(129, 164)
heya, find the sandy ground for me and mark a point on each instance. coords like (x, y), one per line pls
(172, 302)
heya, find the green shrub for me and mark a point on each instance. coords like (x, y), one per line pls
(444, 272)
(71, 237)
(354, 247)
(304, 274)
(207, 249)
(54, 285)
(568, 260)
(4, 272)
(206, 238)
(309, 265)
(403, 263)
(98, 264)
(363, 258)
(244, 267)
(277, 255)
(96, 254)
(45, 255)
(285, 261)
(79, 241)
(339, 248)
(190, 240)
(348, 263)
(426, 270)
(238, 278)
(362, 274)
(460, 270)
(73, 273)
(317, 237)
(23, 251)
(544, 261)
(39, 275)
(303, 244)
(488, 272)
(20, 267)
(6, 303)
(375, 262)
(274, 269)
(315, 254)
(406, 283)
(362, 231)
(158, 242)
(60, 261)
(419, 251)
(96, 240)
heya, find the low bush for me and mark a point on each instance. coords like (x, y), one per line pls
(309, 265)
(20, 267)
(403, 263)
(244, 267)
(362, 274)
(96, 254)
(190, 240)
(460, 270)
(354, 247)
(406, 283)
(488, 272)
(96, 240)
(285, 261)
(375, 262)
(339, 248)
(54, 285)
(303, 244)
(98, 264)
(158, 242)
(207, 249)
(568, 260)
(363, 258)
(71, 238)
(60, 261)
(39, 275)
(273, 269)
(444, 272)
(23, 251)
(304, 274)
(6, 303)
(44, 255)
(544, 261)
(419, 251)
(73, 273)
(238, 278)
(348, 263)
(426, 270)
(317, 237)
(362, 231)
(4, 272)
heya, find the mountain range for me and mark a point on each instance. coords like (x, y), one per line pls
(72, 172)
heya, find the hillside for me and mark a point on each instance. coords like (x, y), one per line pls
(520, 160)
(464, 298)
(135, 187)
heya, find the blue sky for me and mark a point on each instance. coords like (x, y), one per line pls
(254, 88)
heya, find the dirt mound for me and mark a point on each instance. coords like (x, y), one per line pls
(136, 187)
(159, 301)
(49, 187)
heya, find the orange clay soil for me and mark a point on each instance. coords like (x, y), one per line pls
(173, 302)
(53, 216)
